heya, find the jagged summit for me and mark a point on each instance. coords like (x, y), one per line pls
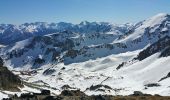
(12, 33)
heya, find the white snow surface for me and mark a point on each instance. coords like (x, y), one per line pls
(128, 79)
(152, 23)
(100, 63)
(2, 95)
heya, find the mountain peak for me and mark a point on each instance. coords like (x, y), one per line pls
(157, 19)
(154, 21)
(84, 23)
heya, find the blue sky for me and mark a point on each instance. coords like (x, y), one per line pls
(75, 11)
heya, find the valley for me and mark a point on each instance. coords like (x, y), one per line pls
(97, 58)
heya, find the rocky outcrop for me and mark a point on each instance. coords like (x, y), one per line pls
(163, 78)
(8, 81)
(78, 95)
(162, 46)
(49, 71)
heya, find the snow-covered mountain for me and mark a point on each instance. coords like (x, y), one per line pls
(10, 33)
(97, 58)
(65, 46)
(72, 47)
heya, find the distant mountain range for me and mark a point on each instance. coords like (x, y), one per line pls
(10, 33)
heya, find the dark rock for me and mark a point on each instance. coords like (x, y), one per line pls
(72, 93)
(72, 53)
(163, 46)
(49, 71)
(1, 62)
(66, 87)
(96, 87)
(53, 98)
(45, 92)
(38, 61)
(165, 52)
(167, 76)
(152, 85)
(8, 81)
(100, 97)
(120, 65)
(26, 95)
(137, 93)
(63, 68)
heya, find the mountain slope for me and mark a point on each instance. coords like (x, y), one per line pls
(162, 46)
(66, 46)
(89, 57)
(71, 47)
(147, 32)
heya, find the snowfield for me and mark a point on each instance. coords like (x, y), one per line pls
(103, 71)
(97, 58)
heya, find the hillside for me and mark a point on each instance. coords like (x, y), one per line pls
(97, 58)
(8, 81)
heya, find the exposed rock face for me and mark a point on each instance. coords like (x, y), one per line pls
(38, 61)
(49, 71)
(1, 62)
(162, 46)
(8, 81)
(72, 93)
(167, 76)
(152, 85)
(100, 87)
